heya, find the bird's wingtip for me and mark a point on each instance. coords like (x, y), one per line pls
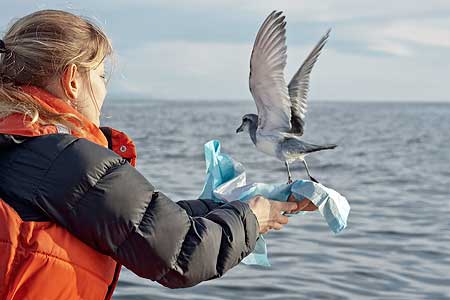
(278, 13)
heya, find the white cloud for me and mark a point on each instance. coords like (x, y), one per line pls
(429, 32)
(388, 47)
(187, 70)
(183, 70)
(403, 37)
(323, 11)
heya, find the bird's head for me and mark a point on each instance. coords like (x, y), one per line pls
(248, 120)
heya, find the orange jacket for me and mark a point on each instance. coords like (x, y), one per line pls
(41, 260)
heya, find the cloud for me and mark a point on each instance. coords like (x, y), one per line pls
(191, 49)
(405, 37)
(388, 47)
(431, 32)
(321, 11)
(197, 70)
(186, 70)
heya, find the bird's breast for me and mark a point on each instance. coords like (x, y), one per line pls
(268, 143)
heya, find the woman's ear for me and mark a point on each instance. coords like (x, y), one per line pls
(70, 82)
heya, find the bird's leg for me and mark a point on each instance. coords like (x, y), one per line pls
(307, 171)
(289, 172)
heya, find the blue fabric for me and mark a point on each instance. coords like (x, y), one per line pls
(226, 181)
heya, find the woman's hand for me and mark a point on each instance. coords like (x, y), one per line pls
(305, 204)
(268, 212)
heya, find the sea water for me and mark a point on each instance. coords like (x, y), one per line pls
(392, 164)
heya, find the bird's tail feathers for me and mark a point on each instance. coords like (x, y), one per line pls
(313, 148)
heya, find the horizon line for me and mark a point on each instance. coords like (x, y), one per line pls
(119, 98)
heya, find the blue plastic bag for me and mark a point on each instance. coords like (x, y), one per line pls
(226, 181)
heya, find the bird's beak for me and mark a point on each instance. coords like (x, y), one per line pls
(241, 128)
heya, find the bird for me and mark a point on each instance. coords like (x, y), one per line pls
(281, 108)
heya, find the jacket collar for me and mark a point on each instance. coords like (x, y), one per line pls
(15, 124)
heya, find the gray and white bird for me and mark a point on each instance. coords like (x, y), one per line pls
(277, 128)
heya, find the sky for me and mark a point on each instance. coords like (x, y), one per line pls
(378, 50)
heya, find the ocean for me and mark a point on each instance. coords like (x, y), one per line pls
(392, 163)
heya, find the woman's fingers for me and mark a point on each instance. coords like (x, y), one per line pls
(277, 226)
(300, 204)
(303, 205)
(268, 212)
(285, 206)
(283, 219)
(310, 207)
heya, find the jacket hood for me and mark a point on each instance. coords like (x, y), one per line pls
(18, 125)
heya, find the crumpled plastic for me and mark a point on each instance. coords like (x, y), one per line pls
(226, 181)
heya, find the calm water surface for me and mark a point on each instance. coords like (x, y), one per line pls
(392, 164)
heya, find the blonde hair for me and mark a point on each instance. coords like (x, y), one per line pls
(40, 46)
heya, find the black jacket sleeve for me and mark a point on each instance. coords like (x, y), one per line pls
(199, 207)
(105, 202)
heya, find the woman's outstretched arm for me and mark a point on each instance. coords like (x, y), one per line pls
(101, 199)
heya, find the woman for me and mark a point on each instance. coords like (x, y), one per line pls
(71, 210)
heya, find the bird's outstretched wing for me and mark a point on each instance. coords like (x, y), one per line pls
(267, 84)
(299, 86)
